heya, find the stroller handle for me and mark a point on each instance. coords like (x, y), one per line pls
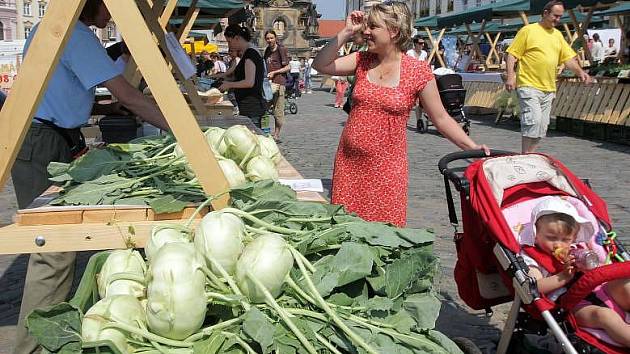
(469, 154)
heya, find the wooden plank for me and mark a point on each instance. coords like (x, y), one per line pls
(600, 93)
(616, 116)
(435, 45)
(560, 93)
(170, 100)
(184, 214)
(560, 104)
(570, 100)
(590, 97)
(582, 98)
(167, 13)
(15, 117)
(114, 215)
(16, 239)
(597, 113)
(614, 98)
(523, 18)
(49, 218)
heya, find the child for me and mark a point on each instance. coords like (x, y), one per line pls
(556, 225)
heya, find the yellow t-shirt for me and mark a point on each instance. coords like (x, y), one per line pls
(539, 52)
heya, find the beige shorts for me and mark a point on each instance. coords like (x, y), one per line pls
(535, 111)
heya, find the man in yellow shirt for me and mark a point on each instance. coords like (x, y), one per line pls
(539, 49)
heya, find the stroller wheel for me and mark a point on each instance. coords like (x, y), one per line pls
(466, 345)
(293, 108)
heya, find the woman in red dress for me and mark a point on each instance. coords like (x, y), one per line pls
(370, 176)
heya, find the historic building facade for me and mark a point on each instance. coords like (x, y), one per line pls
(8, 20)
(423, 8)
(295, 22)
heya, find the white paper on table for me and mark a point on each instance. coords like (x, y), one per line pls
(303, 185)
(180, 57)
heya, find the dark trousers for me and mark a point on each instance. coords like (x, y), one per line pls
(49, 275)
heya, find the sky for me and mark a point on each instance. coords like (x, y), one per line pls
(331, 9)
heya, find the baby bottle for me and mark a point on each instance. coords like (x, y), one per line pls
(585, 259)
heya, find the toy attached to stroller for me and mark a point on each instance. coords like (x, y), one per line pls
(453, 95)
(497, 198)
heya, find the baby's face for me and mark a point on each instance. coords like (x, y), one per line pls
(549, 237)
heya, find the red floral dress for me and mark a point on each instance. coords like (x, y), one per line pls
(370, 176)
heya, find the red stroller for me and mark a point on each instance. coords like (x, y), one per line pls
(489, 269)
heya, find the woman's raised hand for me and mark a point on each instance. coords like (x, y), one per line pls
(355, 22)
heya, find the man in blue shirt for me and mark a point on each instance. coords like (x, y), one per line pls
(66, 105)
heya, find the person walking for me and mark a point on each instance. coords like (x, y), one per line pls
(308, 70)
(248, 75)
(277, 58)
(597, 50)
(341, 84)
(539, 49)
(54, 135)
(370, 175)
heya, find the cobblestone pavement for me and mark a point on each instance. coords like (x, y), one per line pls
(309, 142)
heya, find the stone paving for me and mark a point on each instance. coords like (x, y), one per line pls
(309, 142)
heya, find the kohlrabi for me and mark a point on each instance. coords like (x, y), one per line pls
(161, 235)
(124, 309)
(176, 305)
(232, 172)
(269, 260)
(213, 136)
(269, 149)
(241, 144)
(219, 237)
(122, 274)
(259, 168)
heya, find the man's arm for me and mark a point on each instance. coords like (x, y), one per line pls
(136, 102)
(510, 64)
(574, 66)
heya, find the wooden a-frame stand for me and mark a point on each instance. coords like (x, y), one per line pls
(19, 108)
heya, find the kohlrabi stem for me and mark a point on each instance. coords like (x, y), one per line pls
(246, 157)
(327, 344)
(214, 279)
(228, 278)
(323, 248)
(420, 343)
(305, 261)
(256, 230)
(270, 227)
(198, 210)
(309, 299)
(324, 306)
(283, 314)
(149, 336)
(220, 297)
(208, 330)
(241, 342)
(310, 219)
(170, 146)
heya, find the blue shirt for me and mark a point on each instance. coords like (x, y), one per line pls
(84, 63)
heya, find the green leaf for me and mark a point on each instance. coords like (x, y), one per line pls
(401, 275)
(259, 328)
(353, 261)
(93, 192)
(210, 345)
(448, 345)
(424, 308)
(262, 190)
(167, 204)
(402, 321)
(379, 234)
(56, 327)
(377, 303)
(57, 168)
(94, 164)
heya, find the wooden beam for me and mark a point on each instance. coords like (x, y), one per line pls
(168, 12)
(435, 45)
(37, 68)
(523, 18)
(493, 48)
(164, 88)
(189, 20)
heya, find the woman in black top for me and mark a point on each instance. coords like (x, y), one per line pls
(248, 75)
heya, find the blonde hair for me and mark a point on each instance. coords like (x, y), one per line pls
(396, 16)
(566, 225)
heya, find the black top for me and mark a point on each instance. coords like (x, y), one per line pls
(250, 101)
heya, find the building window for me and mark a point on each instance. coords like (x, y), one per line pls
(42, 9)
(280, 27)
(27, 32)
(450, 6)
(438, 7)
(478, 2)
(27, 9)
(1, 30)
(424, 8)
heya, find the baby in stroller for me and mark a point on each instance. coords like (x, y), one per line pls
(560, 249)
